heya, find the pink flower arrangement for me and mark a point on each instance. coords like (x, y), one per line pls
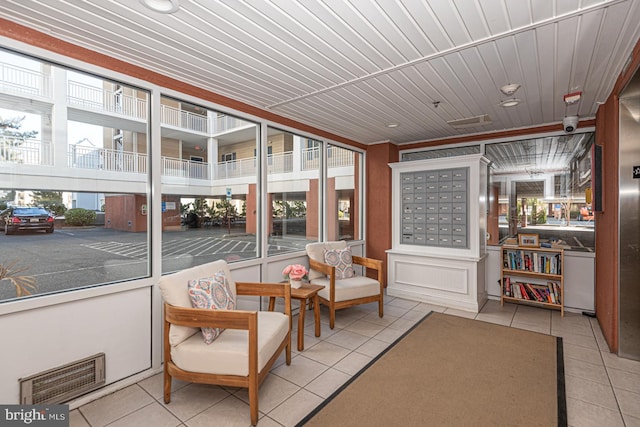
(295, 272)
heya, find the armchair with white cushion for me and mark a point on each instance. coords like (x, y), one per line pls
(221, 345)
(331, 265)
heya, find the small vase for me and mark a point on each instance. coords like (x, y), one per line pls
(295, 283)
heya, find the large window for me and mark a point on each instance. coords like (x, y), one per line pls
(543, 186)
(209, 205)
(80, 156)
(293, 192)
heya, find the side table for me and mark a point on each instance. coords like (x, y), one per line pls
(307, 292)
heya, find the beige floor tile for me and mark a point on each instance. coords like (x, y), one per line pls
(426, 307)
(602, 342)
(587, 371)
(590, 392)
(460, 313)
(624, 380)
(328, 382)
(301, 371)
(116, 405)
(403, 324)
(353, 363)
(76, 419)
(193, 399)
(498, 319)
(584, 414)
(326, 353)
(389, 335)
(365, 328)
(273, 391)
(559, 329)
(629, 402)
(295, 408)
(613, 361)
(403, 303)
(416, 315)
(230, 412)
(373, 347)
(572, 351)
(386, 320)
(631, 421)
(540, 327)
(155, 385)
(347, 339)
(395, 311)
(579, 340)
(151, 415)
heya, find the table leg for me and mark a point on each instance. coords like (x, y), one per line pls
(316, 313)
(303, 309)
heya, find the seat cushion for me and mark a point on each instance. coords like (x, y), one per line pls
(342, 260)
(173, 288)
(212, 293)
(315, 251)
(229, 354)
(348, 289)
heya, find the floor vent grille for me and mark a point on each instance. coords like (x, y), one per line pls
(63, 383)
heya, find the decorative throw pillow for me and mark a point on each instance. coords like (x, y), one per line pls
(211, 293)
(342, 260)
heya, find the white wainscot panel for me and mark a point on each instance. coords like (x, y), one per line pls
(447, 282)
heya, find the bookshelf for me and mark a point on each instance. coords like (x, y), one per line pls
(533, 275)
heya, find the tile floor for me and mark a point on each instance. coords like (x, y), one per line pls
(602, 389)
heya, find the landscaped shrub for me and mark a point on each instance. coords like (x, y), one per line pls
(79, 216)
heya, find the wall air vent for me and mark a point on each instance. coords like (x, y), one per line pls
(63, 383)
(470, 122)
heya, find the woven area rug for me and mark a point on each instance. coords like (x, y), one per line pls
(452, 371)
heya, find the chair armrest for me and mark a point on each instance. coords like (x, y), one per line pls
(323, 268)
(267, 290)
(374, 264)
(367, 262)
(203, 318)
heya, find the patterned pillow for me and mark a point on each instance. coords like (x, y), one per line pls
(211, 293)
(340, 259)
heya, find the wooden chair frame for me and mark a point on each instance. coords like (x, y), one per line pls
(334, 305)
(228, 319)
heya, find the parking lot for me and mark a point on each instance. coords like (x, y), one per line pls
(78, 257)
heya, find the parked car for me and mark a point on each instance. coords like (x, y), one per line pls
(17, 218)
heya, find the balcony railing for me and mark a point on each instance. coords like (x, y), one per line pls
(106, 159)
(25, 152)
(336, 157)
(24, 81)
(36, 152)
(99, 99)
(183, 119)
(184, 168)
(224, 123)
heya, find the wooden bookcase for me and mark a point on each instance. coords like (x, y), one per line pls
(532, 275)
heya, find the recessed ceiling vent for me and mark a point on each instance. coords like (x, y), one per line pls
(63, 383)
(470, 122)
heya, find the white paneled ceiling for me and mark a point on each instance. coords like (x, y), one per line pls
(351, 67)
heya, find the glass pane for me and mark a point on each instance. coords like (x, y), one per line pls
(209, 185)
(343, 193)
(68, 151)
(293, 191)
(542, 187)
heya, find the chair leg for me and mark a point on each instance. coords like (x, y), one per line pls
(167, 384)
(380, 307)
(253, 401)
(332, 317)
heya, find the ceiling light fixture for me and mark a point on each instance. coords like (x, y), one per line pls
(510, 89)
(392, 125)
(510, 102)
(161, 6)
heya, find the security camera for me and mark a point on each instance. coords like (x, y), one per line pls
(570, 123)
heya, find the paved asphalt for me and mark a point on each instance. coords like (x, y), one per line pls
(79, 257)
